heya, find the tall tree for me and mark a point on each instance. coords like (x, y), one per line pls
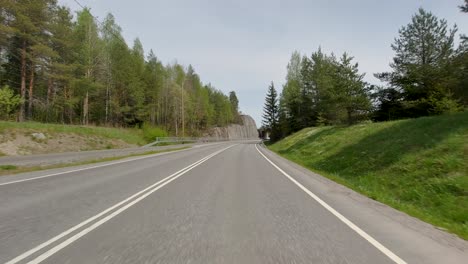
(423, 52)
(351, 89)
(90, 50)
(291, 96)
(270, 112)
(464, 7)
(60, 66)
(234, 106)
(27, 22)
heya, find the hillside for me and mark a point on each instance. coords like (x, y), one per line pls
(419, 166)
(17, 138)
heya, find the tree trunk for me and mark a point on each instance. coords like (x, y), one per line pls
(350, 117)
(23, 83)
(153, 112)
(85, 110)
(30, 93)
(49, 98)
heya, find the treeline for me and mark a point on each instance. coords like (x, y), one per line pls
(429, 77)
(56, 67)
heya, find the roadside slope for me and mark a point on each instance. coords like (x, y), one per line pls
(18, 139)
(418, 166)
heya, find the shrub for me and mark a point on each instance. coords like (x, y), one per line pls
(150, 133)
(9, 102)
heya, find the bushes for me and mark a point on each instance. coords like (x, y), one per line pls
(150, 133)
(8, 102)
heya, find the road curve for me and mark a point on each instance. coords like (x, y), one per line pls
(222, 203)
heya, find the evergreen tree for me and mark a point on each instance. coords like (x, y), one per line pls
(234, 106)
(351, 90)
(464, 7)
(270, 113)
(424, 50)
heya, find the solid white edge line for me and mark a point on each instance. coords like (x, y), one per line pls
(94, 167)
(350, 224)
(91, 219)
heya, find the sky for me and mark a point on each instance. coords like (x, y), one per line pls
(243, 45)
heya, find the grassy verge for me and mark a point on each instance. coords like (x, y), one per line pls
(418, 166)
(12, 169)
(131, 136)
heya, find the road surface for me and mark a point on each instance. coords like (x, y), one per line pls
(221, 203)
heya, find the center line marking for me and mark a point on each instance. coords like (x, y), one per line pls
(156, 186)
(345, 220)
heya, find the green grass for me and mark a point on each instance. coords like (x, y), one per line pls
(8, 167)
(131, 136)
(419, 166)
(11, 169)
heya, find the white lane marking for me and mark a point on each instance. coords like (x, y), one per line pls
(91, 219)
(93, 167)
(350, 224)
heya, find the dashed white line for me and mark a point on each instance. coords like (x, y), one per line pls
(127, 203)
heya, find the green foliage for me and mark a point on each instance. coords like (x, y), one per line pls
(444, 105)
(417, 165)
(9, 102)
(270, 110)
(428, 73)
(464, 7)
(85, 73)
(8, 167)
(322, 89)
(271, 113)
(151, 133)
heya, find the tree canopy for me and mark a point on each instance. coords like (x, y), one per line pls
(79, 70)
(429, 76)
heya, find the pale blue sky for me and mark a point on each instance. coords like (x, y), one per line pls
(242, 45)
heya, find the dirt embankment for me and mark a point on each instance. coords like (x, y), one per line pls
(25, 142)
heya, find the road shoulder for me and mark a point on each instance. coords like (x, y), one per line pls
(413, 239)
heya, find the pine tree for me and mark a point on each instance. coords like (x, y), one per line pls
(423, 50)
(27, 25)
(234, 106)
(270, 112)
(464, 7)
(351, 90)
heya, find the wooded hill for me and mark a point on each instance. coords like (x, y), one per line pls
(428, 76)
(60, 68)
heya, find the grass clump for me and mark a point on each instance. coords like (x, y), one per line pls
(8, 167)
(419, 166)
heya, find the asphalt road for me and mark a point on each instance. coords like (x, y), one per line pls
(222, 203)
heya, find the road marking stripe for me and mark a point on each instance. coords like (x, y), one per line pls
(158, 185)
(350, 224)
(93, 167)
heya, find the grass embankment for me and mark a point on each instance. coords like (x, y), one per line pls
(17, 138)
(419, 166)
(131, 136)
(12, 169)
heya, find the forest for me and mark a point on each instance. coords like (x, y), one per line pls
(429, 76)
(61, 67)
